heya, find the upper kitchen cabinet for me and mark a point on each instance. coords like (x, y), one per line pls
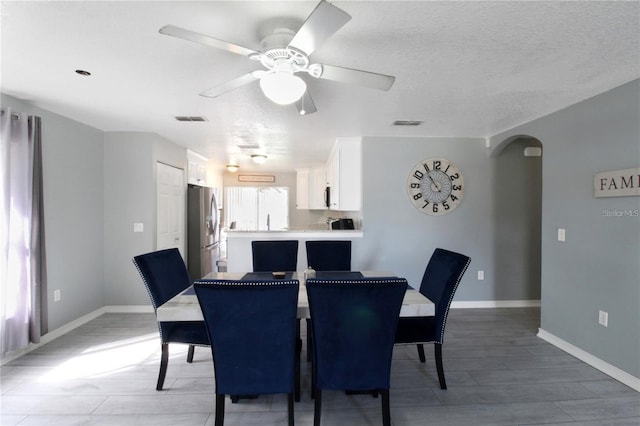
(344, 175)
(310, 188)
(302, 188)
(197, 168)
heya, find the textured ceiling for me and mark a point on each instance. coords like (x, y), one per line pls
(467, 69)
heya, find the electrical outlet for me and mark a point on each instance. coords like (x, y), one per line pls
(56, 295)
(603, 318)
(480, 275)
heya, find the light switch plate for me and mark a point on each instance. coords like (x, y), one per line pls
(138, 227)
(603, 318)
(480, 275)
(561, 234)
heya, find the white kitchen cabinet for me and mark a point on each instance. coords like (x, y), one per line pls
(302, 188)
(310, 188)
(317, 186)
(196, 168)
(344, 175)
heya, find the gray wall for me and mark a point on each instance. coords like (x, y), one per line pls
(401, 239)
(398, 237)
(130, 196)
(598, 267)
(517, 211)
(73, 211)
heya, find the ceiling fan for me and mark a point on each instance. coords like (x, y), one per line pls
(284, 54)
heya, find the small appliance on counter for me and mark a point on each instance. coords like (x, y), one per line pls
(345, 223)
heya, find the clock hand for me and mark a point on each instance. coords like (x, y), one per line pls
(433, 184)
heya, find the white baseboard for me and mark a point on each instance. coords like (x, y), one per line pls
(495, 304)
(128, 309)
(52, 335)
(608, 369)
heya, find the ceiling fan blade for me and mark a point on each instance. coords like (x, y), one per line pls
(305, 104)
(230, 85)
(323, 22)
(182, 33)
(361, 78)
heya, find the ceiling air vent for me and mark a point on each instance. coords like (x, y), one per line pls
(407, 123)
(189, 118)
(248, 146)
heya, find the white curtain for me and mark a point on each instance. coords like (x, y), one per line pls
(22, 257)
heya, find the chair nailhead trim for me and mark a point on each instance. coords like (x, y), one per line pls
(361, 281)
(232, 283)
(455, 287)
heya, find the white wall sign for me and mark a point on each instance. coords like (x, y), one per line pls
(256, 178)
(617, 183)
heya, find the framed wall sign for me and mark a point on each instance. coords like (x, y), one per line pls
(256, 178)
(617, 183)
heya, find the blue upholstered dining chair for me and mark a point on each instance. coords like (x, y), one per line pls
(326, 255)
(165, 275)
(439, 283)
(354, 325)
(329, 255)
(252, 327)
(275, 255)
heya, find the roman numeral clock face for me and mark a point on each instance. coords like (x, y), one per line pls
(435, 186)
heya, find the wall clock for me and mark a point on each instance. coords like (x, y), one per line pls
(435, 186)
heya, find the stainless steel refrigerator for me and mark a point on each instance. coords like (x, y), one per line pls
(203, 231)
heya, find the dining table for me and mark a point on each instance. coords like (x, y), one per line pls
(185, 306)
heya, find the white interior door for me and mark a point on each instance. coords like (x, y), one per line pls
(170, 208)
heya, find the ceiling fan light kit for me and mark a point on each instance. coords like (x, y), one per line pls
(282, 87)
(285, 53)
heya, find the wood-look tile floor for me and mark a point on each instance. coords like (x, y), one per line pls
(498, 373)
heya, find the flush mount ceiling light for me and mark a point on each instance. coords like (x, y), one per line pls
(232, 168)
(282, 87)
(259, 158)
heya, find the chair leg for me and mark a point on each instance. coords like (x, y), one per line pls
(438, 353)
(190, 352)
(309, 341)
(421, 352)
(164, 360)
(219, 410)
(317, 407)
(313, 381)
(386, 411)
(297, 362)
(290, 408)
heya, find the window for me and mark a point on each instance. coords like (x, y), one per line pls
(257, 208)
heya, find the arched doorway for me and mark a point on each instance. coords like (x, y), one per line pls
(517, 202)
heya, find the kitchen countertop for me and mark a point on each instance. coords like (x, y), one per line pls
(295, 233)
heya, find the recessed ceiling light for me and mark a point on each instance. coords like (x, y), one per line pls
(83, 72)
